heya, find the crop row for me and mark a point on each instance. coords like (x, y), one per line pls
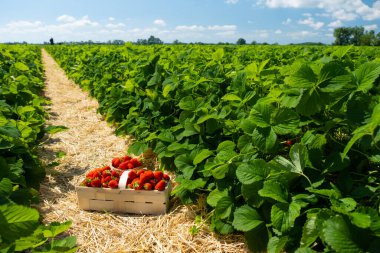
(284, 142)
(22, 119)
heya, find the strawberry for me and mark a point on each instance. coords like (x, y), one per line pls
(146, 176)
(115, 173)
(96, 182)
(152, 182)
(105, 168)
(116, 162)
(132, 174)
(130, 165)
(123, 166)
(106, 173)
(106, 179)
(140, 171)
(166, 177)
(148, 186)
(113, 184)
(160, 186)
(158, 175)
(126, 158)
(136, 184)
(105, 185)
(135, 162)
(289, 142)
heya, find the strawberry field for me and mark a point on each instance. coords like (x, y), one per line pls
(284, 142)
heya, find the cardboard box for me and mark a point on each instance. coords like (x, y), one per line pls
(124, 200)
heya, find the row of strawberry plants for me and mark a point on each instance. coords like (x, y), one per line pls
(22, 120)
(283, 141)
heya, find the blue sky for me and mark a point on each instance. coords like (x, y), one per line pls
(281, 21)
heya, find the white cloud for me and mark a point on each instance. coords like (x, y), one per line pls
(336, 23)
(65, 18)
(310, 22)
(278, 31)
(231, 1)
(306, 14)
(190, 28)
(337, 9)
(370, 27)
(159, 22)
(22, 25)
(222, 27)
(113, 26)
(226, 34)
(287, 21)
(301, 34)
(111, 19)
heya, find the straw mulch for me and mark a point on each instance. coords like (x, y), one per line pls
(89, 143)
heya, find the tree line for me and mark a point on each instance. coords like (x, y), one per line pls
(357, 36)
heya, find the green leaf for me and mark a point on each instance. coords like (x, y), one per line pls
(215, 196)
(276, 244)
(285, 121)
(187, 104)
(223, 207)
(337, 234)
(257, 238)
(17, 221)
(137, 148)
(251, 195)
(56, 228)
(231, 97)
(298, 154)
(261, 114)
(5, 187)
(360, 220)
(264, 139)
(55, 129)
(304, 77)
(10, 130)
(226, 146)
(220, 171)
(246, 218)
(184, 163)
(251, 172)
(203, 154)
(274, 190)
(21, 66)
(283, 215)
(310, 231)
(366, 75)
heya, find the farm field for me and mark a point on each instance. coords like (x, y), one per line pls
(280, 143)
(271, 148)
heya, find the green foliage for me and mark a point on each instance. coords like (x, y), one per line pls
(22, 121)
(284, 139)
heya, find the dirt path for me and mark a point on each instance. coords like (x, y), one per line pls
(88, 143)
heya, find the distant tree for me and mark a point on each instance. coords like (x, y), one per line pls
(153, 40)
(142, 42)
(118, 42)
(253, 42)
(51, 41)
(349, 35)
(368, 38)
(241, 41)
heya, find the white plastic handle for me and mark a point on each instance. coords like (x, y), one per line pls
(123, 180)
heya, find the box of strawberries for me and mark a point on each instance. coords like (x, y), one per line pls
(125, 187)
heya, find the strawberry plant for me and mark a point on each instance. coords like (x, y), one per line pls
(283, 140)
(22, 121)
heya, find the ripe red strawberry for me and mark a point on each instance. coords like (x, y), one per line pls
(105, 185)
(116, 162)
(105, 168)
(140, 171)
(160, 186)
(289, 142)
(126, 158)
(114, 173)
(166, 177)
(106, 179)
(106, 173)
(130, 165)
(158, 175)
(135, 162)
(132, 174)
(136, 184)
(123, 166)
(148, 186)
(96, 182)
(113, 184)
(146, 176)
